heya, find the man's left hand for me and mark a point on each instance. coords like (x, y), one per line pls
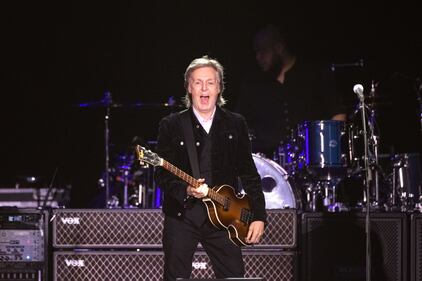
(256, 230)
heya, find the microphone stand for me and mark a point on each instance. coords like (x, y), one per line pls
(368, 179)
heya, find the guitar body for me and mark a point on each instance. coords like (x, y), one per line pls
(225, 209)
(235, 215)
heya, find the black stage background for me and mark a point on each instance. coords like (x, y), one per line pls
(58, 55)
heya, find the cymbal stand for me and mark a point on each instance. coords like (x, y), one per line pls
(419, 97)
(107, 100)
(374, 141)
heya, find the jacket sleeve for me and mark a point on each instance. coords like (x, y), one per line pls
(251, 181)
(171, 184)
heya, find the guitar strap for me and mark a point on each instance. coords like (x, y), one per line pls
(187, 131)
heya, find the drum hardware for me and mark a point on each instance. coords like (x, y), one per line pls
(406, 182)
(131, 184)
(288, 155)
(318, 197)
(374, 163)
(359, 63)
(418, 86)
(367, 162)
(107, 103)
(122, 175)
(321, 195)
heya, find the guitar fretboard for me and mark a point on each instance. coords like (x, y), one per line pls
(193, 182)
(176, 171)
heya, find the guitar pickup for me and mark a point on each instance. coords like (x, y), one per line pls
(245, 215)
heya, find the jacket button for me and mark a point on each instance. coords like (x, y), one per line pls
(182, 143)
(197, 126)
(230, 137)
(179, 214)
(197, 143)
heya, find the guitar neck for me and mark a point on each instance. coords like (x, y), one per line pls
(176, 171)
(191, 181)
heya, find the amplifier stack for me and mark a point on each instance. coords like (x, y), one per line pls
(126, 244)
(99, 244)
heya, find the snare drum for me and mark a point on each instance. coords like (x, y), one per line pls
(323, 143)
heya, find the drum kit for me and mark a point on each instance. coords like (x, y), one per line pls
(334, 166)
(324, 165)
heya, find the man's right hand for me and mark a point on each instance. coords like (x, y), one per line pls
(200, 192)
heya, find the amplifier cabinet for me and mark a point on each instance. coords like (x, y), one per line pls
(148, 265)
(107, 228)
(23, 244)
(416, 247)
(281, 230)
(142, 228)
(334, 246)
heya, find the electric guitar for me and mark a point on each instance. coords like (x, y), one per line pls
(225, 208)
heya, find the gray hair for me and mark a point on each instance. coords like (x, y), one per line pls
(204, 62)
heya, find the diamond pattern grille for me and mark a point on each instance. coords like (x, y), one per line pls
(281, 230)
(142, 228)
(104, 228)
(273, 266)
(149, 266)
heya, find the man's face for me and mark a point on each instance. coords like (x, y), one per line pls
(204, 88)
(266, 58)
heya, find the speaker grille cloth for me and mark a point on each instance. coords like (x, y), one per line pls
(340, 241)
(107, 228)
(149, 266)
(417, 249)
(142, 228)
(281, 229)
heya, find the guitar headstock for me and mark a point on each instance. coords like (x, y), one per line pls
(145, 155)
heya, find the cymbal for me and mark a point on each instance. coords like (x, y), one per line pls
(104, 104)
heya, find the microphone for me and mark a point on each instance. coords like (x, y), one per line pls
(358, 90)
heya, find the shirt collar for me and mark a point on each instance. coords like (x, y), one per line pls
(201, 119)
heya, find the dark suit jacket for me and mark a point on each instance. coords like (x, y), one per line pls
(231, 158)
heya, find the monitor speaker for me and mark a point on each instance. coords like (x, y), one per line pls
(416, 247)
(334, 246)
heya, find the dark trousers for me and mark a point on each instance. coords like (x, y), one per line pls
(180, 240)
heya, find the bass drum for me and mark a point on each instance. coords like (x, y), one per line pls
(277, 190)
